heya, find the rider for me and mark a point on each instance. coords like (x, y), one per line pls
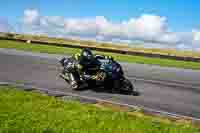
(88, 63)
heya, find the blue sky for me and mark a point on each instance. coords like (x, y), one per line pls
(181, 15)
(156, 23)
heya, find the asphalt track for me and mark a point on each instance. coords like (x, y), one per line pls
(167, 89)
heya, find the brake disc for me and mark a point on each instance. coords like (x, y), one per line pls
(101, 76)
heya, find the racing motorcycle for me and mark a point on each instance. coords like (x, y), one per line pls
(109, 75)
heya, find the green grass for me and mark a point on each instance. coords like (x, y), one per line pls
(130, 47)
(120, 57)
(33, 112)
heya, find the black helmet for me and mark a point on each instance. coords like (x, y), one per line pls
(86, 56)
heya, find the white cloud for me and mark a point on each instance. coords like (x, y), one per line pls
(153, 30)
(84, 27)
(31, 17)
(146, 26)
(169, 38)
(196, 36)
(4, 26)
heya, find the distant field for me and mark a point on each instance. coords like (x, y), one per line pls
(31, 112)
(136, 48)
(120, 57)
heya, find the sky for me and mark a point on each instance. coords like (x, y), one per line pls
(155, 23)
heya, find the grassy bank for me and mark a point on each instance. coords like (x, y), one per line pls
(120, 57)
(33, 112)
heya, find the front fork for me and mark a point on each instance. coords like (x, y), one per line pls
(71, 78)
(65, 77)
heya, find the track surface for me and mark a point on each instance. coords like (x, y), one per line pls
(42, 70)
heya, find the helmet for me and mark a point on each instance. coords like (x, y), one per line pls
(111, 58)
(86, 56)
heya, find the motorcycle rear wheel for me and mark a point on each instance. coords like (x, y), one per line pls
(127, 87)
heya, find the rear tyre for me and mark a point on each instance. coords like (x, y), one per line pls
(127, 87)
(116, 86)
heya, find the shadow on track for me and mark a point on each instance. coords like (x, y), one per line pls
(100, 89)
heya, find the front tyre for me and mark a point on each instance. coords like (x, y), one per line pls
(74, 80)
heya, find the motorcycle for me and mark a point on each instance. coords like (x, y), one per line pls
(109, 75)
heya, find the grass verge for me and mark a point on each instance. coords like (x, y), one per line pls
(33, 112)
(120, 57)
